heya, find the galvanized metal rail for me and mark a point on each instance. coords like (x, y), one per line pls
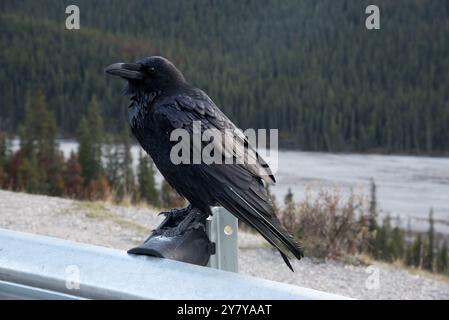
(39, 267)
(222, 229)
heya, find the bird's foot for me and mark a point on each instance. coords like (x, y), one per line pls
(194, 219)
(177, 221)
(181, 236)
(177, 214)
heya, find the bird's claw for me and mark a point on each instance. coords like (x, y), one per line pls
(175, 212)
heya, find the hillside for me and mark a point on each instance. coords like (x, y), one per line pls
(309, 68)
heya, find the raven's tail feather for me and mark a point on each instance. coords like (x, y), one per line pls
(267, 224)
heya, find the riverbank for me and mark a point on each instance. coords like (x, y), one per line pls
(407, 186)
(123, 227)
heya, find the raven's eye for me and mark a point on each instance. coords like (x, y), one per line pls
(151, 70)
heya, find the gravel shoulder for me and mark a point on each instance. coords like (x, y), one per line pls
(123, 227)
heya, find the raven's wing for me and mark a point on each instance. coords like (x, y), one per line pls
(203, 109)
(238, 187)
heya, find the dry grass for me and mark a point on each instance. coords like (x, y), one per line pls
(327, 226)
(97, 210)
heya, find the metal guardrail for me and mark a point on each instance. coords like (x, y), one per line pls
(39, 267)
(222, 229)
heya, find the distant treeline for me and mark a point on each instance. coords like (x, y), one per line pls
(309, 68)
(101, 169)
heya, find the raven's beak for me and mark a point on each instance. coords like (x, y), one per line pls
(126, 70)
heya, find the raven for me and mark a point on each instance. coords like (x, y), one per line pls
(163, 101)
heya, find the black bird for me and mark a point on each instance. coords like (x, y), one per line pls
(162, 101)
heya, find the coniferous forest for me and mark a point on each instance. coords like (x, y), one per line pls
(309, 68)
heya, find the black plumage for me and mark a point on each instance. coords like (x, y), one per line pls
(163, 101)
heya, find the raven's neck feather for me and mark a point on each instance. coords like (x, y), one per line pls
(145, 99)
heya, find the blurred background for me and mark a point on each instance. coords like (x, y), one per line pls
(363, 115)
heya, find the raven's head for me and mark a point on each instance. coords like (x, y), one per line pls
(147, 75)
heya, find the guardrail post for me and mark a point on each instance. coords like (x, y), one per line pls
(222, 229)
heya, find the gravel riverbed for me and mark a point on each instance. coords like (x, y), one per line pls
(123, 227)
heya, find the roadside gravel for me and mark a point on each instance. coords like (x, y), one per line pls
(123, 227)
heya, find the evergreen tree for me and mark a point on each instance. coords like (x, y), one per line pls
(55, 175)
(126, 184)
(112, 161)
(431, 243)
(288, 200)
(372, 220)
(382, 240)
(373, 207)
(89, 168)
(96, 133)
(418, 250)
(147, 184)
(397, 243)
(42, 160)
(27, 132)
(409, 245)
(90, 137)
(128, 173)
(409, 255)
(288, 214)
(442, 259)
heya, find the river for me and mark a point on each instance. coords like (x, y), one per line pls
(407, 186)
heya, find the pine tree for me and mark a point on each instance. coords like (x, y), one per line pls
(27, 132)
(373, 227)
(39, 148)
(382, 239)
(397, 243)
(409, 244)
(147, 184)
(90, 137)
(112, 161)
(431, 243)
(418, 250)
(96, 133)
(55, 175)
(125, 185)
(409, 258)
(373, 207)
(442, 259)
(89, 168)
(127, 163)
(288, 214)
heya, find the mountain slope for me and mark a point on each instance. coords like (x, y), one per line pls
(309, 68)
